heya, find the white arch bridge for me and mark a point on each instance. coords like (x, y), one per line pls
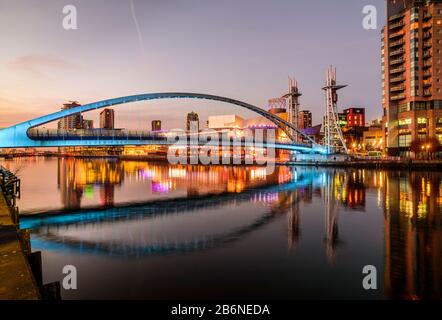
(20, 135)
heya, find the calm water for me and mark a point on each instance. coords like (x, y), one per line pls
(153, 231)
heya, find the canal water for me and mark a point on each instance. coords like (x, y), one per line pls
(138, 230)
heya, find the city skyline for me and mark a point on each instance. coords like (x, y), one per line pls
(254, 150)
(47, 65)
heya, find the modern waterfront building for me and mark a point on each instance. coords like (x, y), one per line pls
(107, 119)
(220, 122)
(352, 123)
(373, 137)
(412, 73)
(355, 117)
(304, 119)
(72, 122)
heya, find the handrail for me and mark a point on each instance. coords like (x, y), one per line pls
(10, 186)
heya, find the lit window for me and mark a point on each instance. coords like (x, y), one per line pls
(422, 120)
(403, 122)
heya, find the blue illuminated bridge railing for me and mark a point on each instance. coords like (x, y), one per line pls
(119, 137)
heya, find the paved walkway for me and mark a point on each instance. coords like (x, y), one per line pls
(16, 279)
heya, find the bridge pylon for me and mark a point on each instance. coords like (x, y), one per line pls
(293, 105)
(333, 137)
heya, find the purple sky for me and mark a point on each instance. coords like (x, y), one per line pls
(239, 49)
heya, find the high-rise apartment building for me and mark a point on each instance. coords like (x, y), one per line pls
(156, 125)
(192, 122)
(412, 73)
(107, 119)
(304, 119)
(71, 122)
(88, 124)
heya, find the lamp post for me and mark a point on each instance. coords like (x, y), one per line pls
(423, 151)
(428, 146)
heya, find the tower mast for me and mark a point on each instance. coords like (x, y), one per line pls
(333, 137)
(293, 104)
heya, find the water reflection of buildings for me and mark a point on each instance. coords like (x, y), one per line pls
(413, 235)
(77, 177)
(412, 203)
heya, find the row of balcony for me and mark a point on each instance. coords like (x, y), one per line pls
(427, 54)
(427, 83)
(397, 79)
(397, 61)
(397, 70)
(426, 26)
(397, 52)
(427, 15)
(426, 35)
(427, 73)
(427, 44)
(397, 34)
(427, 93)
(397, 88)
(396, 16)
(398, 97)
(427, 64)
(397, 43)
(396, 25)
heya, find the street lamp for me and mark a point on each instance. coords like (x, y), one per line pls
(428, 146)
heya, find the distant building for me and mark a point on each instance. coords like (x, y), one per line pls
(373, 138)
(283, 114)
(259, 123)
(156, 125)
(225, 122)
(355, 117)
(342, 119)
(314, 132)
(277, 110)
(88, 124)
(352, 123)
(304, 119)
(72, 122)
(192, 122)
(107, 119)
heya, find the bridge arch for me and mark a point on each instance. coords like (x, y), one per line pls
(17, 135)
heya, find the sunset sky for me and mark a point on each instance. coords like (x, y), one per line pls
(240, 49)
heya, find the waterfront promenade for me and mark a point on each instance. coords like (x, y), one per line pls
(404, 164)
(16, 278)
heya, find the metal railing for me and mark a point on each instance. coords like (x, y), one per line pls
(10, 186)
(94, 134)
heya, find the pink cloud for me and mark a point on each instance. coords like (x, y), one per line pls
(37, 63)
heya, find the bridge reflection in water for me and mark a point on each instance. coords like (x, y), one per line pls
(200, 209)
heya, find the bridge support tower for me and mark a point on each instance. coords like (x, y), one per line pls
(293, 105)
(333, 137)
